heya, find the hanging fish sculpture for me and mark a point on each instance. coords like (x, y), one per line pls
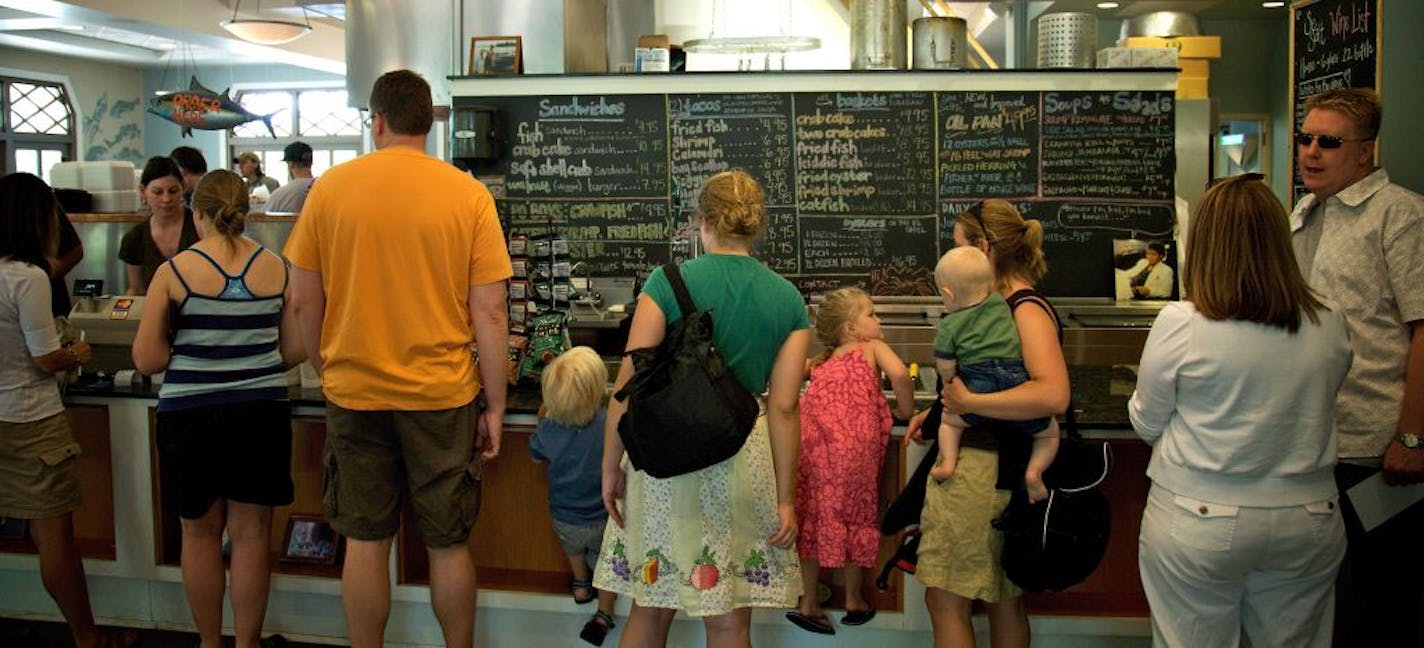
(201, 108)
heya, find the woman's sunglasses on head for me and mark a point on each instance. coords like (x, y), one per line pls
(1326, 141)
(974, 212)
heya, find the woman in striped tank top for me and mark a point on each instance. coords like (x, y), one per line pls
(224, 432)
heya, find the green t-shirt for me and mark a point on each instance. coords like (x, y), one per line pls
(753, 309)
(984, 331)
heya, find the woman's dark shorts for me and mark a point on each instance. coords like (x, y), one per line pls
(240, 452)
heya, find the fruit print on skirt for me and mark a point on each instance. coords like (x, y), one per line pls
(697, 542)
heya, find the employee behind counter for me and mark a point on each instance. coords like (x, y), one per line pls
(167, 230)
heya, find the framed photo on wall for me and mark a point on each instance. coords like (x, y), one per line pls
(309, 539)
(496, 55)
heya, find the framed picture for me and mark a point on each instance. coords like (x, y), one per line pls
(310, 539)
(12, 528)
(493, 55)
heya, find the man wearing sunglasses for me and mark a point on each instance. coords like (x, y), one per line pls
(1359, 240)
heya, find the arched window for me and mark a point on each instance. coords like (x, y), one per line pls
(36, 126)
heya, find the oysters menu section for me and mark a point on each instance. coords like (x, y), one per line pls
(861, 187)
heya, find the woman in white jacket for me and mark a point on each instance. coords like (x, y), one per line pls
(1242, 534)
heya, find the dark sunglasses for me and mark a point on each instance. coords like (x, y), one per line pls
(1326, 141)
(974, 212)
(1248, 177)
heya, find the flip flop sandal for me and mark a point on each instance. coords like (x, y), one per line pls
(858, 617)
(576, 585)
(818, 624)
(597, 628)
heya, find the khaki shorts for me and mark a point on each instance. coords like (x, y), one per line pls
(37, 473)
(960, 550)
(376, 459)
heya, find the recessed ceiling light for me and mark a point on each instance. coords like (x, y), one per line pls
(165, 45)
(1107, 5)
(1273, 4)
(72, 27)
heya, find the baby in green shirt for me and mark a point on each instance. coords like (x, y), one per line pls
(978, 341)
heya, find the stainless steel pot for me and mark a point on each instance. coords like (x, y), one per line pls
(939, 43)
(877, 35)
(1165, 24)
(1067, 40)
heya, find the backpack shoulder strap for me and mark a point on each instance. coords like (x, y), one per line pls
(679, 288)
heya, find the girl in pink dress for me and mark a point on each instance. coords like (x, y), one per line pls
(845, 422)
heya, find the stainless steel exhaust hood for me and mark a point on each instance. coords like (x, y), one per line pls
(386, 35)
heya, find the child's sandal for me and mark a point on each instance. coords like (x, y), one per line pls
(597, 628)
(575, 585)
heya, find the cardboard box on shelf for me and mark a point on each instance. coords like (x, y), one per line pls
(1208, 47)
(1153, 57)
(1193, 87)
(1114, 57)
(653, 41)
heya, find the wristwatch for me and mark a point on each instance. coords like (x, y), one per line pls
(1411, 441)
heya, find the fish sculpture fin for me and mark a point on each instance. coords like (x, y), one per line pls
(195, 86)
(267, 119)
(187, 132)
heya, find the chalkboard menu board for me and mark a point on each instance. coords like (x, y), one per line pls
(861, 187)
(1334, 44)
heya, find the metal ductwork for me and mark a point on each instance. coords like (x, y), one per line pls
(386, 35)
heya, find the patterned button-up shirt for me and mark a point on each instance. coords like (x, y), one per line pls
(1362, 249)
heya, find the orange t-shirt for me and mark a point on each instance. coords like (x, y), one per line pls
(399, 238)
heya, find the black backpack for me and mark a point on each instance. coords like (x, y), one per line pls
(1057, 543)
(686, 410)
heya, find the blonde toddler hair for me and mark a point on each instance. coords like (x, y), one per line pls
(838, 308)
(574, 384)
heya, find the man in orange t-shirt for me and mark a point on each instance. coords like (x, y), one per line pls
(399, 266)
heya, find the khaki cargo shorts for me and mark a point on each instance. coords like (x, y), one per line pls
(38, 478)
(376, 459)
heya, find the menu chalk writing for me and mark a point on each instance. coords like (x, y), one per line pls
(865, 153)
(613, 237)
(988, 144)
(714, 133)
(1115, 145)
(861, 188)
(1334, 44)
(594, 146)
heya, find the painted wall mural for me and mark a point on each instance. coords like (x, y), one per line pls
(114, 131)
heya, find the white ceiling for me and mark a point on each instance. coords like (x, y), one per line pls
(159, 32)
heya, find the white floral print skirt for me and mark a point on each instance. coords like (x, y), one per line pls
(697, 542)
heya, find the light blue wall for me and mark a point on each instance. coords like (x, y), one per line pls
(161, 136)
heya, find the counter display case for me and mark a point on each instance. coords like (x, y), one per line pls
(94, 521)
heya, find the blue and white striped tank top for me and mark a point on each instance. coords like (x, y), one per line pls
(225, 347)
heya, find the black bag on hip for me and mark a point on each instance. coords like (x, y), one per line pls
(686, 410)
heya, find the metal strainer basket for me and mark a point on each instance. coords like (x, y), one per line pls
(1067, 40)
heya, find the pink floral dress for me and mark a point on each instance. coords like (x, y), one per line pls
(845, 423)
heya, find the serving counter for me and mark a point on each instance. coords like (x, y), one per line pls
(131, 544)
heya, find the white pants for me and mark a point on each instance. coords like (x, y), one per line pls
(1216, 575)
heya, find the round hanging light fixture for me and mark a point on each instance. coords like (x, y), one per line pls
(263, 31)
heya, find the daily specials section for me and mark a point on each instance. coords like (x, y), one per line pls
(861, 187)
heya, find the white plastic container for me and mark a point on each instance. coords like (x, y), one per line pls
(66, 175)
(110, 175)
(115, 201)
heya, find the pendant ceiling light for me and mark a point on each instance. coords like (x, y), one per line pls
(266, 32)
